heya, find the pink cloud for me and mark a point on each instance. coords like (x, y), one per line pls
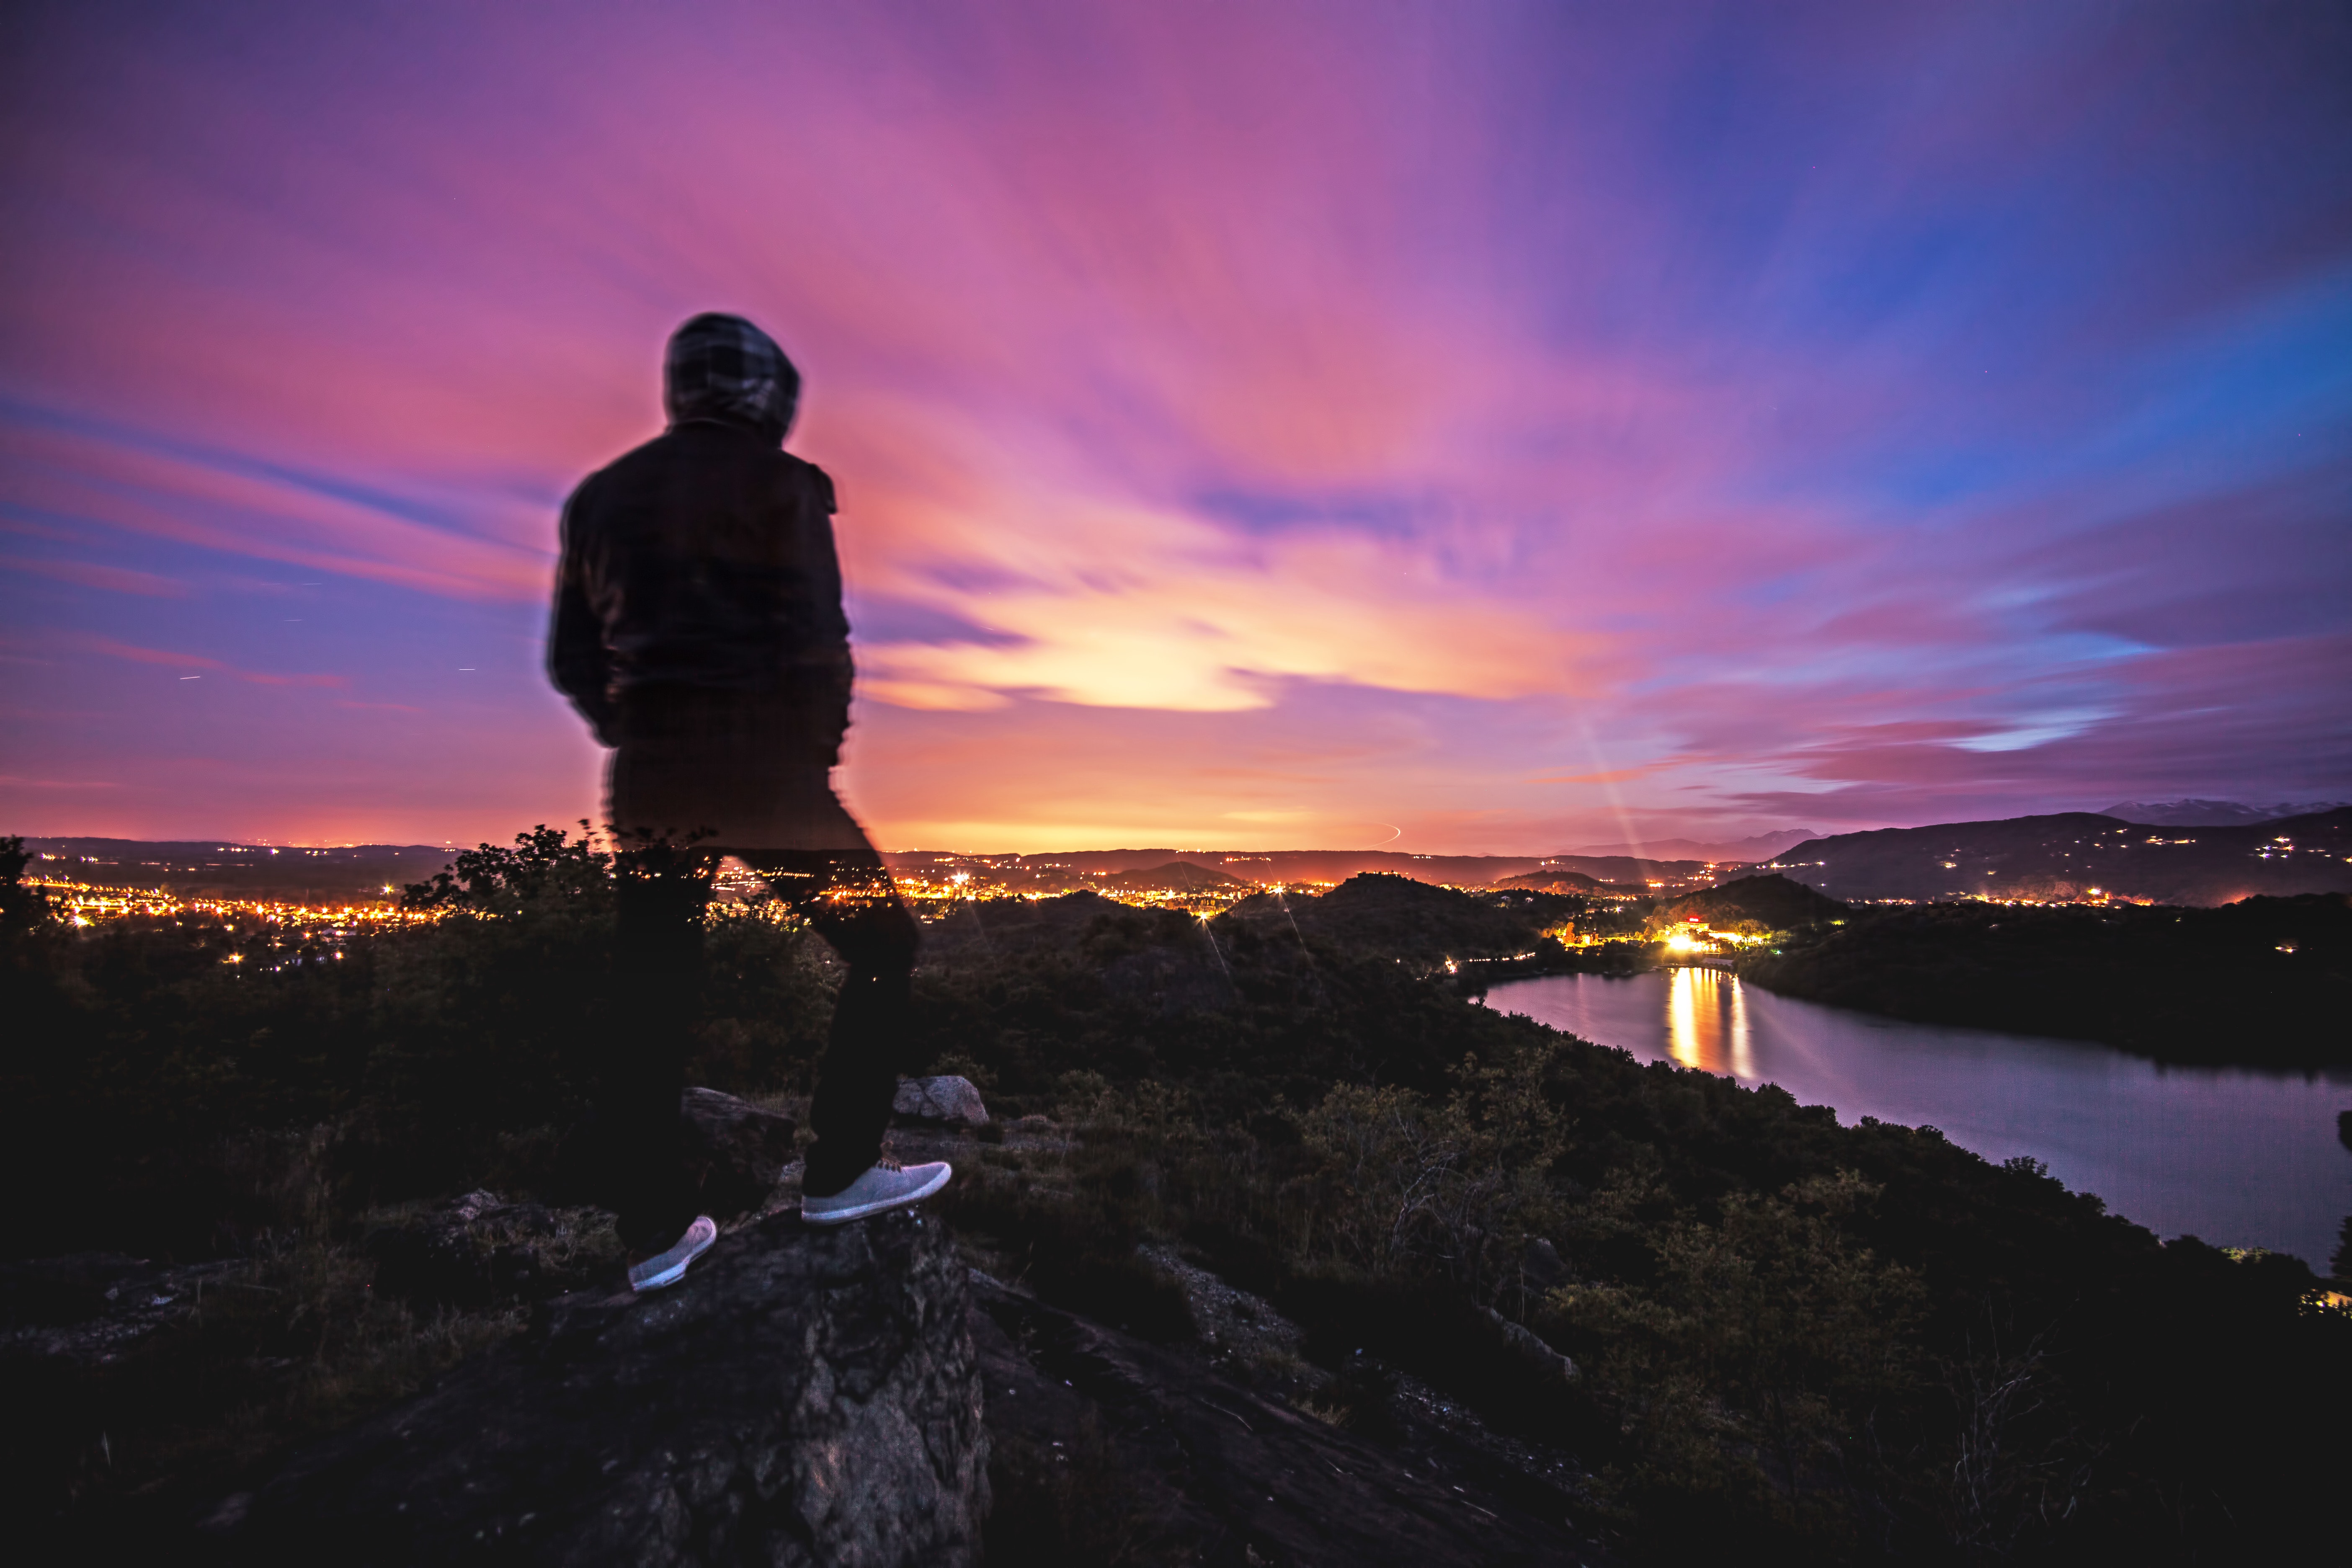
(90, 575)
(1443, 423)
(175, 660)
(137, 655)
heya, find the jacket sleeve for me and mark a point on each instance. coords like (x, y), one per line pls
(822, 667)
(577, 661)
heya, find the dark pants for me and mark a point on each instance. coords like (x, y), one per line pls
(662, 896)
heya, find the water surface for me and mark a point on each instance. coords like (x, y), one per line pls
(2240, 1156)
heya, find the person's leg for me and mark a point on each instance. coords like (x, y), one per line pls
(847, 899)
(660, 895)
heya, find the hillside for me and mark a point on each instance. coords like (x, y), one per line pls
(1059, 871)
(1570, 882)
(2262, 981)
(2066, 856)
(2214, 813)
(1754, 904)
(1181, 876)
(1718, 852)
(1399, 918)
(1251, 1181)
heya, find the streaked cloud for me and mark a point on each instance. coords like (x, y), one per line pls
(1487, 428)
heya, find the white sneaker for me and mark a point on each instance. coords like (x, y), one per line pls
(887, 1185)
(669, 1268)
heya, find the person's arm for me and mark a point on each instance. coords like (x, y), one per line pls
(820, 664)
(577, 660)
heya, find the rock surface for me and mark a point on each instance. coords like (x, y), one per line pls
(1164, 1459)
(1544, 1363)
(740, 1148)
(59, 1314)
(951, 1101)
(805, 1396)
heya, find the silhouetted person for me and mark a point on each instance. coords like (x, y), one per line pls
(698, 628)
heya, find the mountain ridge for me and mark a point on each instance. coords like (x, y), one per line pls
(2079, 854)
(2193, 812)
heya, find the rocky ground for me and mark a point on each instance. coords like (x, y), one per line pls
(1151, 1453)
(806, 1396)
(1219, 1442)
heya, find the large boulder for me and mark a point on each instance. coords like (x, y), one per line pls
(804, 1396)
(734, 1150)
(1543, 1364)
(738, 1148)
(943, 1102)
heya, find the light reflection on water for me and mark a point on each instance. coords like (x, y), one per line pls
(2239, 1156)
(1706, 1023)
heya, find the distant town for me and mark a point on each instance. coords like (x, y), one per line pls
(309, 897)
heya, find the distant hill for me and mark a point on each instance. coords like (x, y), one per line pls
(2256, 982)
(1757, 904)
(1175, 957)
(1397, 917)
(1632, 871)
(222, 868)
(1178, 876)
(1720, 851)
(1555, 882)
(1265, 867)
(1057, 869)
(2067, 854)
(2215, 813)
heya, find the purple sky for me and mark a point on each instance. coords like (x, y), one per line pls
(1470, 427)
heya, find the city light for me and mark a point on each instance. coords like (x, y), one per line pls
(82, 904)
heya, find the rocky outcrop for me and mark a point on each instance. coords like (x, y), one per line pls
(481, 1249)
(1544, 1365)
(805, 1396)
(735, 1152)
(1108, 1444)
(738, 1148)
(59, 1315)
(941, 1102)
(1542, 1267)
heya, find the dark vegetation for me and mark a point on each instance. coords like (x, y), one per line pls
(1801, 1342)
(2264, 980)
(1554, 882)
(1755, 906)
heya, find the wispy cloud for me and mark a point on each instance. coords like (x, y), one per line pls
(91, 574)
(1502, 427)
(174, 659)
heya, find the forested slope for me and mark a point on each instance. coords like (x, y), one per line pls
(1799, 1339)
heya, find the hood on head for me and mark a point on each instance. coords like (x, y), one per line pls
(724, 368)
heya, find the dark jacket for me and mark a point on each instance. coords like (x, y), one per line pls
(703, 560)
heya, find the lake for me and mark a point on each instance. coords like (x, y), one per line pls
(2239, 1156)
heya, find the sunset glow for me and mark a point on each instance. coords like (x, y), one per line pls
(1505, 427)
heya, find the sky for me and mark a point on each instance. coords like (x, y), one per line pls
(1459, 429)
